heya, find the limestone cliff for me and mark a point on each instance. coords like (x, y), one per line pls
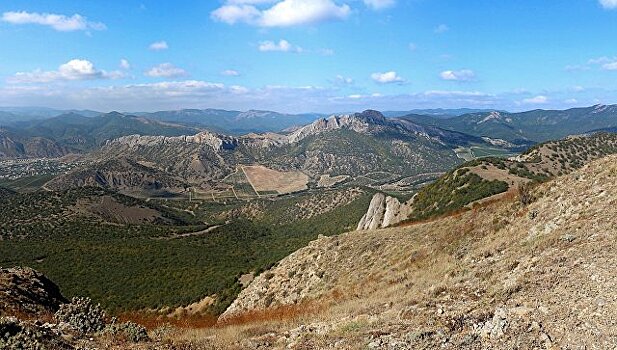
(383, 211)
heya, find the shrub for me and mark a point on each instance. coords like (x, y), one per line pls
(16, 334)
(524, 194)
(82, 315)
(130, 331)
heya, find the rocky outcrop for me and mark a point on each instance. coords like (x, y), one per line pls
(359, 122)
(383, 211)
(24, 291)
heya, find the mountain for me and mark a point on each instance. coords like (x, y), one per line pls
(535, 126)
(74, 132)
(503, 276)
(15, 146)
(436, 112)
(347, 145)
(14, 115)
(234, 122)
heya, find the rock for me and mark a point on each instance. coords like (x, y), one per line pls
(26, 291)
(495, 328)
(383, 211)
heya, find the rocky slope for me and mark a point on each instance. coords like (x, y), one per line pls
(24, 291)
(501, 276)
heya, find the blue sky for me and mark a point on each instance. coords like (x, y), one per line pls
(308, 55)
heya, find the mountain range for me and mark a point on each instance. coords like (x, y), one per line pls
(535, 126)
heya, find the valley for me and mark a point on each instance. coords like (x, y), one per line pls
(212, 214)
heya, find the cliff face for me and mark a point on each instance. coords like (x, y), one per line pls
(383, 211)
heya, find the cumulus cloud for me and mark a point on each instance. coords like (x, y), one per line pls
(60, 23)
(442, 28)
(281, 46)
(158, 46)
(540, 99)
(230, 73)
(165, 70)
(460, 75)
(387, 77)
(379, 4)
(283, 13)
(76, 69)
(609, 4)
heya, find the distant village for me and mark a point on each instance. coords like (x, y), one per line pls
(18, 168)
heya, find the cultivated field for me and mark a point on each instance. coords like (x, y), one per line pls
(267, 180)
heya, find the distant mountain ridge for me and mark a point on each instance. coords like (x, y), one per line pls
(234, 122)
(536, 126)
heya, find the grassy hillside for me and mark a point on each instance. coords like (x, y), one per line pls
(482, 178)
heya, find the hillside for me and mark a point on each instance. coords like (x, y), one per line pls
(534, 126)
(502, 276)
(16, 146)
(354, 146)
(480, 179)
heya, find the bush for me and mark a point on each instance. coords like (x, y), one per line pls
(130, 331)
(82, 315)
(524, 194)
(16, 334)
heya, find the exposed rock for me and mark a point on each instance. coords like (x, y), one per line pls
(382, 212)
(26, 291)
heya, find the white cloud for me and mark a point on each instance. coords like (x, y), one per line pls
(609, 4)
(230, 73)
(610, 66)
(442, 28)
(158, 46)
(76, 69)
(281, 46)
(460, 75)
(60, 23)
(165, 70)
(379, 4)
(540, 99)
(283, 13)
(606, 63)
(125, 64)
(387, 77)
(342, 80)
(232, 14)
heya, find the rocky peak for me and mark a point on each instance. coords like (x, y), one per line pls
(359, 122)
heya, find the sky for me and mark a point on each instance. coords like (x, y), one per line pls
(299, 56)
